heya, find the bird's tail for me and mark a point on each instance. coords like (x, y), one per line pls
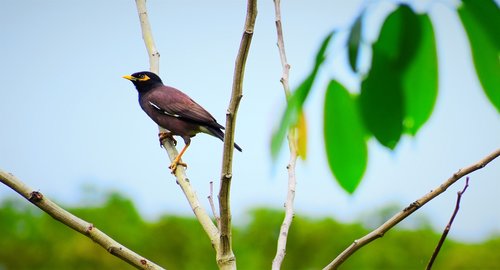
(217, 132)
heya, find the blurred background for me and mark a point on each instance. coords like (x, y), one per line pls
(72, 129)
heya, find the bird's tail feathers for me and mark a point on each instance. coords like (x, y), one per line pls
(219, 134)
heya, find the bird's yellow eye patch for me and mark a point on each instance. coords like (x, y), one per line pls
(143, 78)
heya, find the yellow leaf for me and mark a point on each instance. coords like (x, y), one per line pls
(301, 133)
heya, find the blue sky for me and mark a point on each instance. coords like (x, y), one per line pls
(70, 121)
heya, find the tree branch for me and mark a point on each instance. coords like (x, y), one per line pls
(75, 223)
(147, 36)
(380, 231)
(292, 144)
(281, 48)
(448, 226)
(190, 194)
(225, 258)
(210, 198)
(180, 174)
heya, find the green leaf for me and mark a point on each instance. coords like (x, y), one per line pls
(354, 42)
(399, 37)
(294, 107)
(382, 97)
(481, 20)
(381, 101)
(345, 142)
(420, 80)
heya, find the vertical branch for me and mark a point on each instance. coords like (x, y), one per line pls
(226, 257)
(289, 209)
(147, 35)
(281, 48)
(180, 174)
(292, 144)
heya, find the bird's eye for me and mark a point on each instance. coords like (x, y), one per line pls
(141, 76)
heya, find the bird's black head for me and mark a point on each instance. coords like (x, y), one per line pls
(144, 80)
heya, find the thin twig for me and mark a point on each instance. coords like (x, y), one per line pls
(289, 212)
(75, 223)
(226, 258)
(210, 198)
(380, 231)
(448, 226)
(281, 48)
(292, 144)
(180, 174)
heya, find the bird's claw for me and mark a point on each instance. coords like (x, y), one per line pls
(173, 166)
(166, 135)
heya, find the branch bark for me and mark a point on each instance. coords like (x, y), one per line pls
(147, 36)
(380, 231)
(180, 174)
(292, 145)
(75, 223)
(226, 258)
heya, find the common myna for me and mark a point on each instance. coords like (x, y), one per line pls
(174, 111)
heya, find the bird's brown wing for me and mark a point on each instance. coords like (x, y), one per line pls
(173, 102)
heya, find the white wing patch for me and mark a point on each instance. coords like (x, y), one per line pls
(163, 111)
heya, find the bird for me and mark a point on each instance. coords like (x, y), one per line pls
(174, 111)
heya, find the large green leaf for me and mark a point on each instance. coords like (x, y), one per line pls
(381, 101)
(345, 142)
(382, 97)
(354, 42)
(481, 20)
(420, 80)
(290, 117)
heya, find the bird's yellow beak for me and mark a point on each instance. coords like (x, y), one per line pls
(130, 78)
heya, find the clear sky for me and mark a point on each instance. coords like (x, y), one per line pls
(70, 121)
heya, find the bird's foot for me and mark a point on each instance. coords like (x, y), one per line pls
(174, 165)
(166, 135)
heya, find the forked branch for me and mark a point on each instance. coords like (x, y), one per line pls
(448, 226)
(380, 231)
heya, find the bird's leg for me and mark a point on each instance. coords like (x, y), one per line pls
(164, 135)
(177, 160)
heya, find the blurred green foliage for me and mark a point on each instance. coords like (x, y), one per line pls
(398, 93)
(30, 239)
